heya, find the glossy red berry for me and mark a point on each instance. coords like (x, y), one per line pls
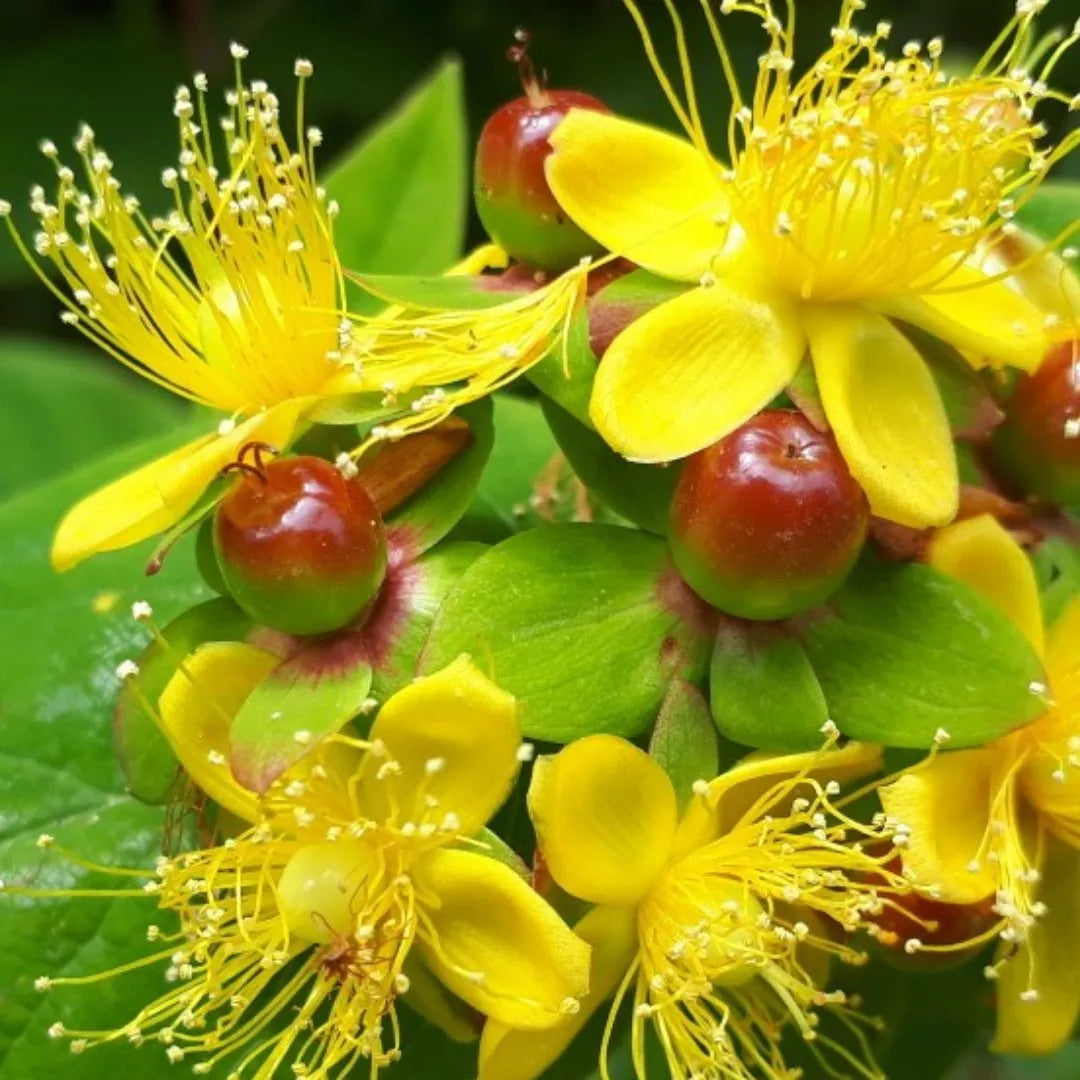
(301, 548)
(768, 521)
(1037, 448)
(952, 931)
(513, 199)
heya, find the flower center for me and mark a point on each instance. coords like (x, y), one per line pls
(698, 933)
(872, 175)
(323, 890)
(229, 299)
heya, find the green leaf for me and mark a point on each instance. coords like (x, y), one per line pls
(303, 693)
(805, 395)
(144, 753)
(902, 650)
(64, 406)
(640, 493)
(523, 448)
(403, 188)
(585, 624)
(973, 414)
(1057, 567)
(62, 639)
(423, 520)
(418, 592)
(684, 739)
(1053, 208)
(427, 293)
(625, 299)
(763, 689)
(495, 847)
(565, 374)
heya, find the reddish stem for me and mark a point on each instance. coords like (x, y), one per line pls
(534, 87)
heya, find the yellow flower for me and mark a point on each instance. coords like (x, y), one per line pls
(714, 926)
(235, 299)
(357, 880)
(864, 191)
(1003, 820)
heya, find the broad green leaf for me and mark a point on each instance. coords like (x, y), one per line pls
(148, 761)
(403, 188)
(684, 739)
(1053, 208)
(902, 650)
(763, 689)
(64, 406)
(640, 493)
(423, 520)
(514, 477)
(304, 694)
(62, 639)
(585, 624)
(409, 607)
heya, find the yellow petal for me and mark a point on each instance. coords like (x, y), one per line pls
(506, 1054)
(1049, 964)
(987, 319)
(605, 816)
(946, 805)
(983, 555)
(155, 497)
(886, 414)
(1050, 783)
(1040, 275)
(197, 707)
(641, 192)
(762, 782)
(455, 737)
(496, 943)
(690, 371)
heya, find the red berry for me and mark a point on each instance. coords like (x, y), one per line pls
(300, 548)
(954, 928)
(513, 199)
(1037, 448)
(768, 521)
